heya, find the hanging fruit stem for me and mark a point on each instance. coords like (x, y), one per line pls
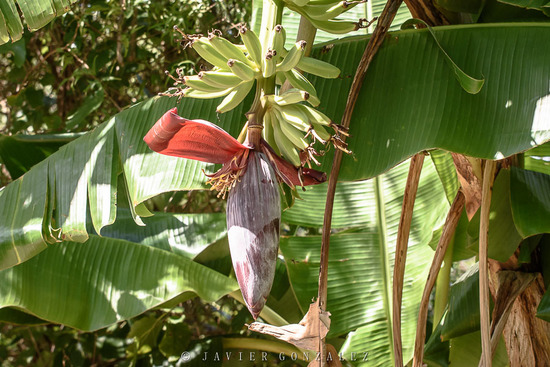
(271, 16)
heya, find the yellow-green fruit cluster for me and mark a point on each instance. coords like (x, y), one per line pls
(287, 127)
(322, 14)
(236, 67)
(291, 123)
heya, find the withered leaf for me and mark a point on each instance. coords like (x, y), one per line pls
(305, 335)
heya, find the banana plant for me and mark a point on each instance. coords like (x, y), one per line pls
(282, 125)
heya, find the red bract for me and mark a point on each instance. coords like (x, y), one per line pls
(203, 141)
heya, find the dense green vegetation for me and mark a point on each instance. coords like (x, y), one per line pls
(111, 254)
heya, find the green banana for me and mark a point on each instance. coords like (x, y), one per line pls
(294, 116)
(320, 133)
(205, 49)
(219, 78)
(278, 39)
(229, 50)
(318, 67)
(253, 45)
(297, 80)
(194, 93)
(285, 145)
(294, 135)
(291, 96)
(242, 70)
(333, 26)
(298, 2)
(328, 11)
(268, 64)
(293, 57)
(197, 83)
(280, 78)
(267, 131)
(235, 97)
(314, 116)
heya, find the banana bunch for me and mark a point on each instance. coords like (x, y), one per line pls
(292, 128)
(236, 67)
(321, 14)
(292, 125)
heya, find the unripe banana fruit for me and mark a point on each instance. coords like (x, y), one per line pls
(322, 14)
(293, 57)
(235, 97)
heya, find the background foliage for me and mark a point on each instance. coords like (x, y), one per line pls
(103, 56)
(66, 78)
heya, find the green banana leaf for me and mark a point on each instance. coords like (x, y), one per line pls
(538, 159)
(360, 263)
(404, 107)
(187, 235)
(37, 14)
(20, 152)
(530, 201)
(463, 314)
(445, 167)
(399, 113)
(465, 351)
(541, 5)
(94, 284)
(504, 238)
(87, 174)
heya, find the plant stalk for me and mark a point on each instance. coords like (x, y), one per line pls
(442, 284)
(401, 245)
(272, 15)
(446, 237)
(486, 193)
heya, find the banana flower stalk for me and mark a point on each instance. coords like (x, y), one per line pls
(250, 175)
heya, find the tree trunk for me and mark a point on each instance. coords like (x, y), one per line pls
(527, 337)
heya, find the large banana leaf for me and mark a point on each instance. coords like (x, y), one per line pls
(183, 234)
(361, 262)
(403, 108)
(104, 280)
(86, 176)
(538, 159)
(504, 238)
(411, 101)
(530, 198)
(20, 152)
(37, 14)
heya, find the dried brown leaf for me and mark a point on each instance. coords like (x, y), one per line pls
(305, 335)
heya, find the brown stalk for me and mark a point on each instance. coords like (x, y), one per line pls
(470, 181)
(401, 252)
(510, 285)
(373, 45)
(448, 231)
(486, 193)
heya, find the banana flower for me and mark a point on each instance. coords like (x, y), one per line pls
(251, 176)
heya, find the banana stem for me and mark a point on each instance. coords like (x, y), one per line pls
(442, 286)
(255, 117)
(271, 16)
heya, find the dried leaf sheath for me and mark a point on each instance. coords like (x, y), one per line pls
(253, 218)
